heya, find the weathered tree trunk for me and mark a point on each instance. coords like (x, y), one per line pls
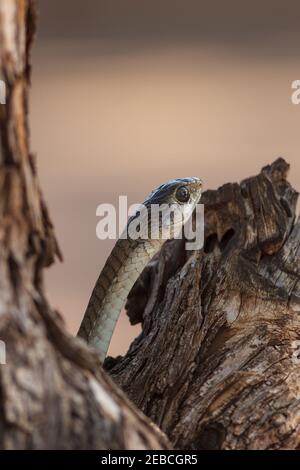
(217, 364)
(53, 392)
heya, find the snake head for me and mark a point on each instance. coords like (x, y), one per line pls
(184, 193)
(166, 209)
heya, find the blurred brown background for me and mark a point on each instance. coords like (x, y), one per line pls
(127, 94)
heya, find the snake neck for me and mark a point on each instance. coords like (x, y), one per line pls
(122, 268)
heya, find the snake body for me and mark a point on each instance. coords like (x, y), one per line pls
(124, 265)
(121, 270)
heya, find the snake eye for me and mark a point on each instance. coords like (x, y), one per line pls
(182, 194)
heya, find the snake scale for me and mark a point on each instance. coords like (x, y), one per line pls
(128, 259)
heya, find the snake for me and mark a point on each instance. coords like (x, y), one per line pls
(132, 253)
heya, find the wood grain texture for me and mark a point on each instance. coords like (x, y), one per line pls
(217, 363)
(53, 391)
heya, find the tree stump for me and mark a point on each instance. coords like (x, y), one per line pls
(217, 365)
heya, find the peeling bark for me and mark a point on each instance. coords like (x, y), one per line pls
(217, 364)
(53, 391)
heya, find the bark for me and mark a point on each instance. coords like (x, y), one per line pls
(217, 365)
(53, 392)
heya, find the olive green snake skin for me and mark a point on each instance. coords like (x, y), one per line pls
(122, 268)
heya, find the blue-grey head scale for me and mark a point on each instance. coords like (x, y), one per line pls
(161, 194)
(184, 192)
